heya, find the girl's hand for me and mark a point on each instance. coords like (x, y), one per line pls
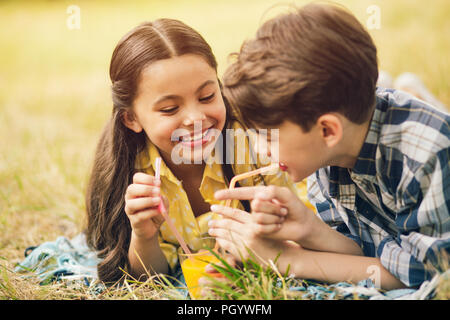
(206, 283)
(238, 233)
(141, 205)
(279, 213)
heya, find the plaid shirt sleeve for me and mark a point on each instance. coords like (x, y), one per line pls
(411, 256)
(337, 216)
(422, 245)
(409, 178)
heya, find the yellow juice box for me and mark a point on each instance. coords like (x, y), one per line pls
(193, 267)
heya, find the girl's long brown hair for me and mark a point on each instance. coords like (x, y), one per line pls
(108, 228)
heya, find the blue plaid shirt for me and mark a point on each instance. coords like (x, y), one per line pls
(395, 202)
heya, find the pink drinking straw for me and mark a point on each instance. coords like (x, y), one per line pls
(163, 211)
(245, 175)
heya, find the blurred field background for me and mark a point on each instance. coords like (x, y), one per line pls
(54, 96)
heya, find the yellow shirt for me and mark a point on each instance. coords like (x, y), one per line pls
(192, 228)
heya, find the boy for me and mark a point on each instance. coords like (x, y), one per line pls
(377, 160)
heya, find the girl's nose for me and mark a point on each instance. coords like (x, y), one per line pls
(192, 116)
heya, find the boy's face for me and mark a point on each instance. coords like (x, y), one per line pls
(301, 152)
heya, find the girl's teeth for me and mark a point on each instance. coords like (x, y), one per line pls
(196, 137)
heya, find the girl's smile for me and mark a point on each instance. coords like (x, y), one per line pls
(197, 139)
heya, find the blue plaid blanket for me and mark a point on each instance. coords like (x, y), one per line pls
(73, 260)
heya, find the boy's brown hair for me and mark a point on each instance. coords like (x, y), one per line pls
(302, 64)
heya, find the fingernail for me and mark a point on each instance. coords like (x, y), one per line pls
(215, 207)
(283, 211)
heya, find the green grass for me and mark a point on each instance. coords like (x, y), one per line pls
(54, 100)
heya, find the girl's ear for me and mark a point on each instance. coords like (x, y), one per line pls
(331, 129)
(130, 121)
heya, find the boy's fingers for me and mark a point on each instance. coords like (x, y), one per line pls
(268, 207)
(265, 218)
(274, 193)
(282, 194)
(242, 193)
(264, 229)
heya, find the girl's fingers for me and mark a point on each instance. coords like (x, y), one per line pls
(143, 178)
(166, 202)
(225, 228)
(223, 233)
(269, 207)
(141, 190)
(135, 205)
(143, 217)
(231, 213)
(231, 246)
(227, 225)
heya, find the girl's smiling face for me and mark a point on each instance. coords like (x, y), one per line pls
(179, 96)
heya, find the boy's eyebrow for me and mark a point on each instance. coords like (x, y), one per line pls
(174, 96)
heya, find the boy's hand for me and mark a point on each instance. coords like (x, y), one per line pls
(276, 211)
(142, 198)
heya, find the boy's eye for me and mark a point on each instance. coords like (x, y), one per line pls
(207, 98)
(169, 110)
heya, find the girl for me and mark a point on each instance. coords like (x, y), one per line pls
(164, 80)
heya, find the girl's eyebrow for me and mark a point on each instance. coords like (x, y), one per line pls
(174, 96)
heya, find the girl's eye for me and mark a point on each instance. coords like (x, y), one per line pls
(169, 110)
(207, 98)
